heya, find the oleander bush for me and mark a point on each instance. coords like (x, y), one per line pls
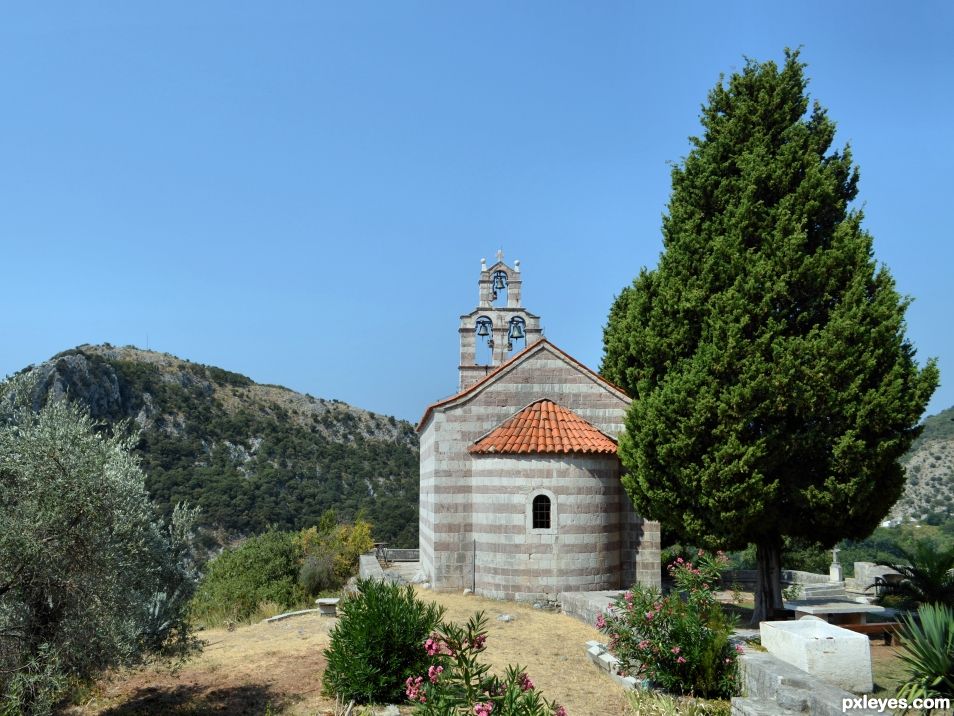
(377, 642)
(679, 642)
(457, 684)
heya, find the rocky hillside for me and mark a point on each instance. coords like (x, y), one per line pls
(930, 468)
(250, 455)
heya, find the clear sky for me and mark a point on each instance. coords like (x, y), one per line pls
(302, 191)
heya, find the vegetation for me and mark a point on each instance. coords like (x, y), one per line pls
(927, 576)
(89, 579)
(927, 644)
(376, 644)
(681, 641)
(277, 571)
(250, 456)
(457, 684)
(654, 703)
(774, 390)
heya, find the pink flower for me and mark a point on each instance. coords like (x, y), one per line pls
(600, 621)
(434, 672)
(650, 615)
(483, 709)
(681, 660)
(433, 646)
(643, 644)
(675, 650)
(560, 711)
(739, 649)
(525, 683)
(479, 642)
(628, 596)
(412, 687)
(679, 560)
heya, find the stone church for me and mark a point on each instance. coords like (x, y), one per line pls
(520, 481)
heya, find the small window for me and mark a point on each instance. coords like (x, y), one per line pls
(541, 512)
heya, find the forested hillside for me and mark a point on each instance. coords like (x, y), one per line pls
(251, 456)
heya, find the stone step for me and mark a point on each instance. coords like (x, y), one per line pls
(832, 589)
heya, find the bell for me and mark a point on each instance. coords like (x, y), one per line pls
(516, 330)
(499, 283)
(482, 330)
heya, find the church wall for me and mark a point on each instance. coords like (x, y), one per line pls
(584, 550)
(426, 505)
(453, 499)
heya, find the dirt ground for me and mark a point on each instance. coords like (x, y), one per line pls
(278, 667)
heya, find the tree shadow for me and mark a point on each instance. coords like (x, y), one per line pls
(198, 700)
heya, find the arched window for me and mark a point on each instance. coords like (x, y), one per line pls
(541, 512)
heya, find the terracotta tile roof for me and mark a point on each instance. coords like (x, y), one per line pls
(544, 427)
(506, 365)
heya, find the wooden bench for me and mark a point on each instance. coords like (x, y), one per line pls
(327, 606)
(885, 629)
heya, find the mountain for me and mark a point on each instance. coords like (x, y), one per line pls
(250, 455)
(930, 467)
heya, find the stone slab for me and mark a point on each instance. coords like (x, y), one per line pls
(836, 656)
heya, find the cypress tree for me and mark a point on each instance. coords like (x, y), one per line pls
(774, 389)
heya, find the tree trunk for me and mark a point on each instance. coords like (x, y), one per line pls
(768, 583)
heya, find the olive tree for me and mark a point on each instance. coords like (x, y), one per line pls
(89, 578)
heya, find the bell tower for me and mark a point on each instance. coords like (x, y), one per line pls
(499, 326)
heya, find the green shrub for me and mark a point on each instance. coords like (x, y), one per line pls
(339, 543)
(681, 641)
(928, 578)
(378, 642)
(654, 703)
(457, 684)
(262, 569)
(317, 574)
(927, 648)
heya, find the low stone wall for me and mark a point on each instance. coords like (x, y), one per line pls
(746, 578)
(865, 575)
(585, 606)
(773, 687)
(605, 661)
(402, 555)
(368, 567)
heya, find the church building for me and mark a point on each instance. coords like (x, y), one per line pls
(520, 481)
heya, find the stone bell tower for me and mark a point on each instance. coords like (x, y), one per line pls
(499, 326)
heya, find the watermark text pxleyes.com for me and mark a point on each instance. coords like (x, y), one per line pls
(881, 705)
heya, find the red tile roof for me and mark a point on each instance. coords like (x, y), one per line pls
(544, 427)
(506, 365)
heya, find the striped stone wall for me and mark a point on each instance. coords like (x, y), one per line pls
(465, 516)
(584, 550)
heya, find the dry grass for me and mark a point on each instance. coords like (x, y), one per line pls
(551, 646)
(279, 666)
(243, 672)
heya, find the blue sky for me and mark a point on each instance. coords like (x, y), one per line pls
(302, 192)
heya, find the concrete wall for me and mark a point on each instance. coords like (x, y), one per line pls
(456, 487)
